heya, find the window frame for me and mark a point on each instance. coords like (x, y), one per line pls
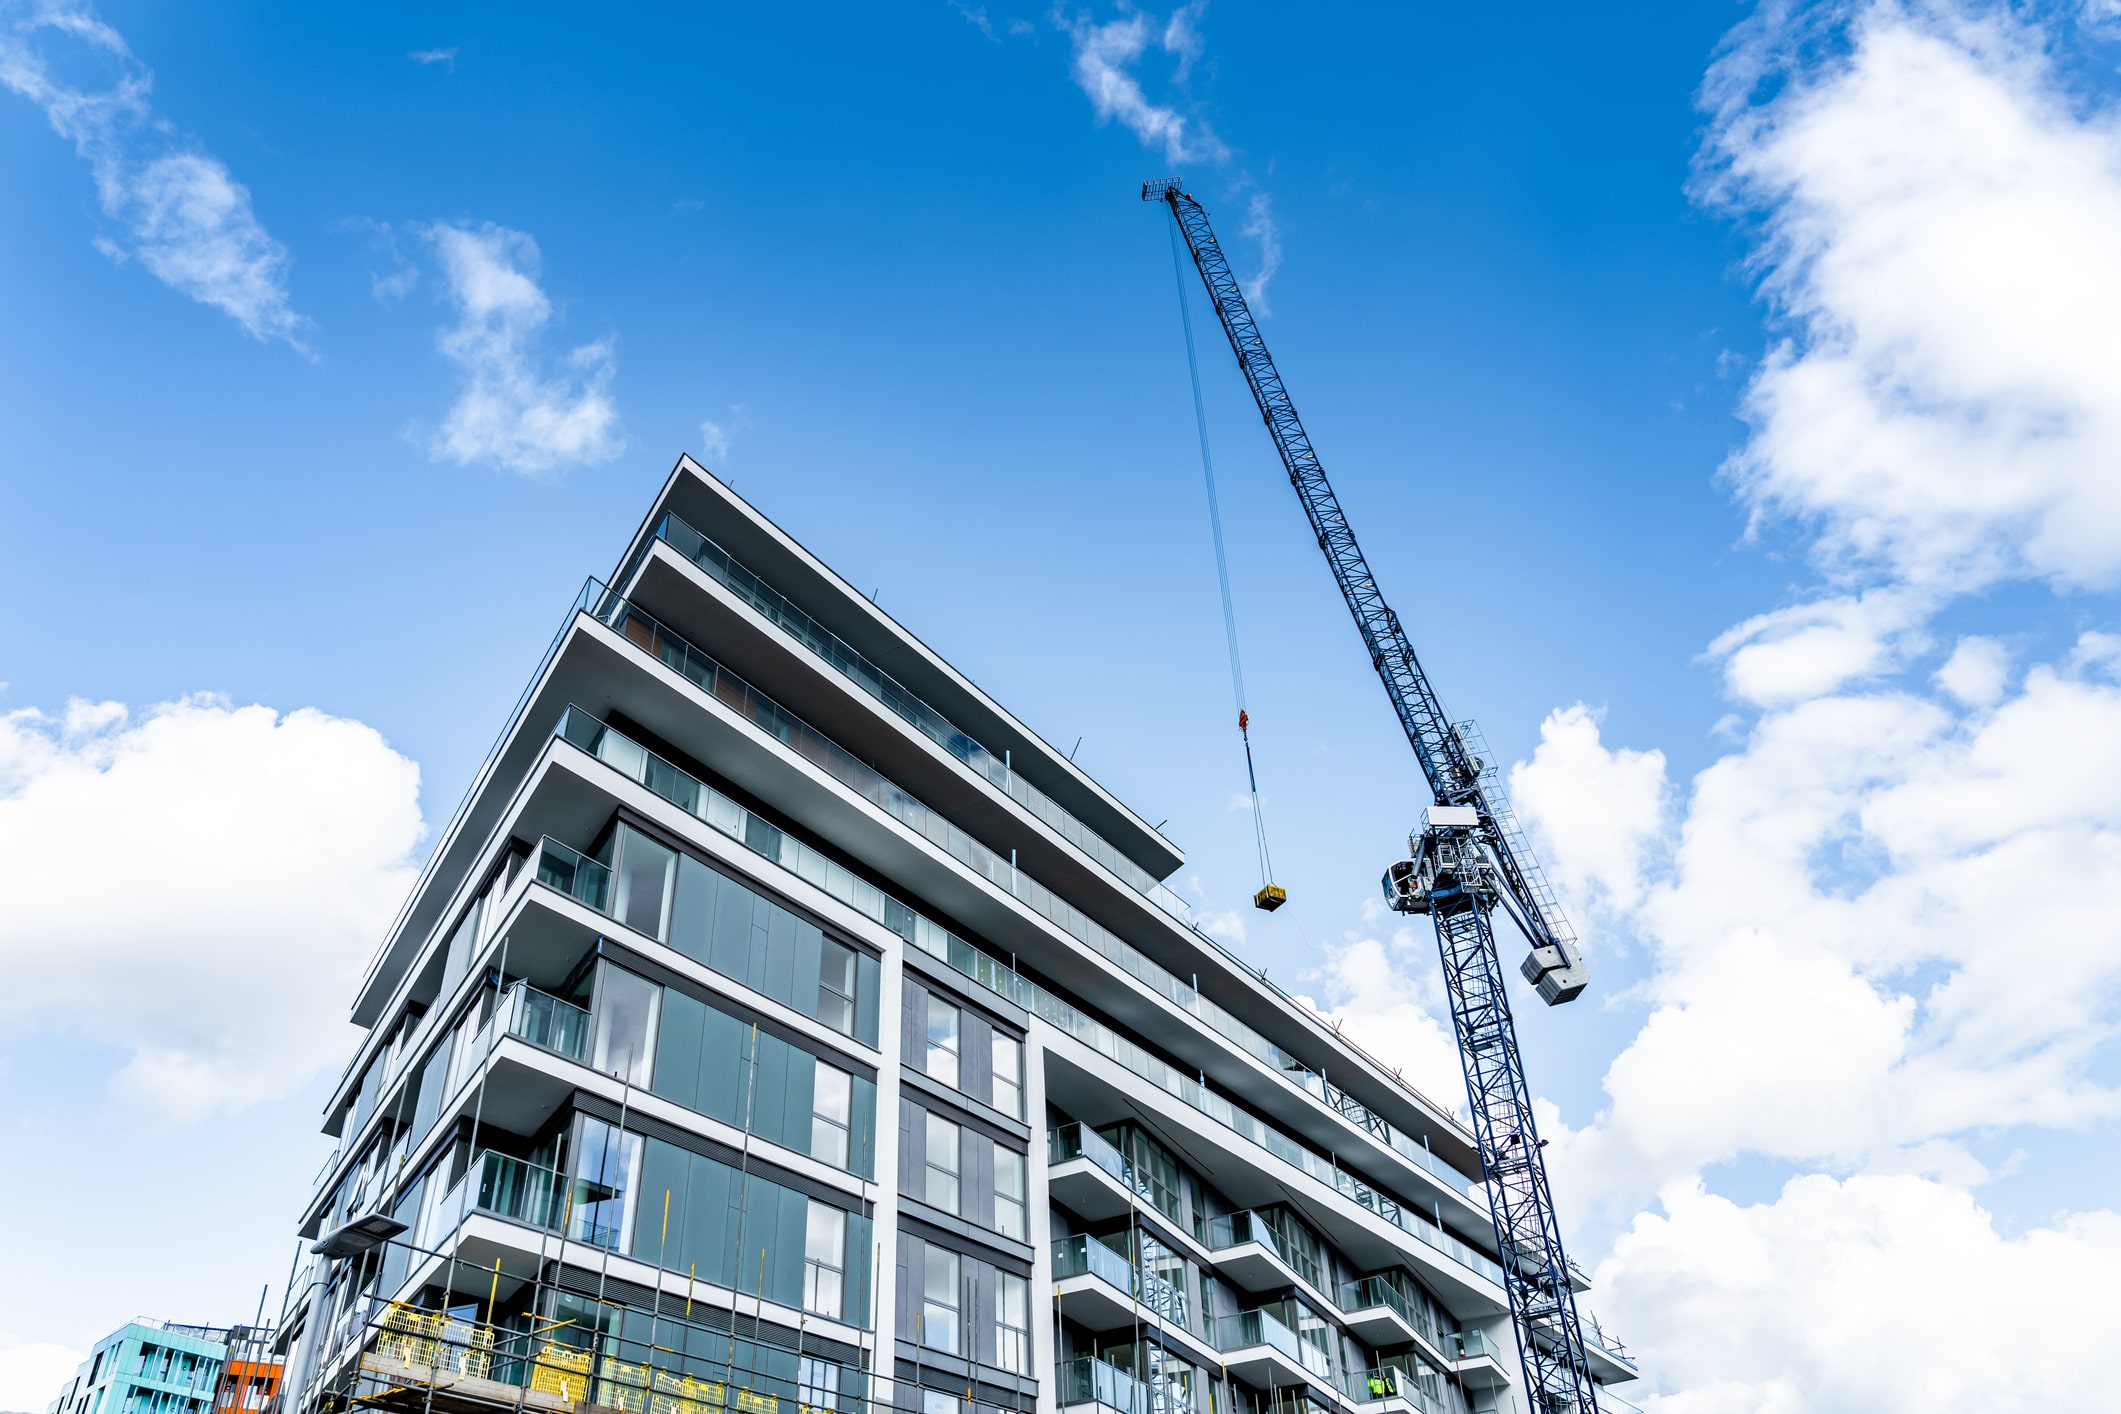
(1018, 1202)
(934, 1125)
(953, 1047)
(817, 1266)
(930, 1303)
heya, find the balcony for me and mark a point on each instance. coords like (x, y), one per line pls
(1480, 1363)
(647, 634)
(590, 882)
(1258, 1349)
(1390, 1388)
(1102, 1290)
(1092, 1382)
(1610, 1361)
(1248, 1251)
(851, 664)
(1379, 1314)
(505, 1188)
(1091, 1178)
(544, 1020)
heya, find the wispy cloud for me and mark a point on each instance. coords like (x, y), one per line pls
(1105, 58)
(174, 207)
(1107, 61)
(510, 412)
(1260, 226)
(716, 437)
(447, 58)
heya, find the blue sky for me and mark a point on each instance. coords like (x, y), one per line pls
(1733, 378)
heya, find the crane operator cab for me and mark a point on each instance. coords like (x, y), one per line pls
(1449, 870)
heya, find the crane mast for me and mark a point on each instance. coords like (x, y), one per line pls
(1468, 858)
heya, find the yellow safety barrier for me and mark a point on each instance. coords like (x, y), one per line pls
(682, 1394)
(561, 1370)
(430, 1339)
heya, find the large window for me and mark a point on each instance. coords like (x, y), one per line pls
(941, 1299)
(1009, 1192)
(606, 1160)
(831, 1112)
(945, 1025)
(835, 986)
(1008, 1076)
(712, 1223)
(644, 870)
(1012, 1323)
(710, 1061)
(817, 1383)
(742, 934)
(624, 1047)
(944, 1164)
(824, 1259)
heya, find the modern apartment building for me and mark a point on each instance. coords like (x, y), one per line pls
(780, 1025)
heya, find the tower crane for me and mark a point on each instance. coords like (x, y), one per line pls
(1468, 858)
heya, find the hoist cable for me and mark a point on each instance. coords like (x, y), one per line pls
(1222, 564)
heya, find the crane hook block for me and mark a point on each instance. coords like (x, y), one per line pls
(1271, 897)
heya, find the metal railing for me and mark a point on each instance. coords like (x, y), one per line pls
(850, 663)
(1082, 1255)
(1372, 1291)
(648, 634)
(707, 804)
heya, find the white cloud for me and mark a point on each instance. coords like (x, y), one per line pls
(1386, 997)
(1227, 924)
(211, 880)
(31, 1373)
(1105, 56)
(510, 412)
(1597, 811)
(430, 57)
(176, 209)
(1809, 649)
(717, 437)
(1874, 1293)
(1880, 928)
(1934, 213)
(1259, 224)
(1977, 672)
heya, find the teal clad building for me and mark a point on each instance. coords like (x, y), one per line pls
(148, 1367)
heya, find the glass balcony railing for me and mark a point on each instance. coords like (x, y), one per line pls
(1248, 1329)
(1237, 1229)
(711, 806)
(902, 701)
(649, 635)
(1474, 1345)
(1086, 1256)
(574, 874)
(1076, 1141)
(544, 1020)
(507, 1188)
(1390, 1382)
(1089, 1381)
(1375, 1291)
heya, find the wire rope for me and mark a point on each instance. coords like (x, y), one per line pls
(1222, 567)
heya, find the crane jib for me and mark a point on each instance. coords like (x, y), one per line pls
(1535, 1269)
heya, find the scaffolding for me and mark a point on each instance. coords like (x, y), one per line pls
(479, 1339)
